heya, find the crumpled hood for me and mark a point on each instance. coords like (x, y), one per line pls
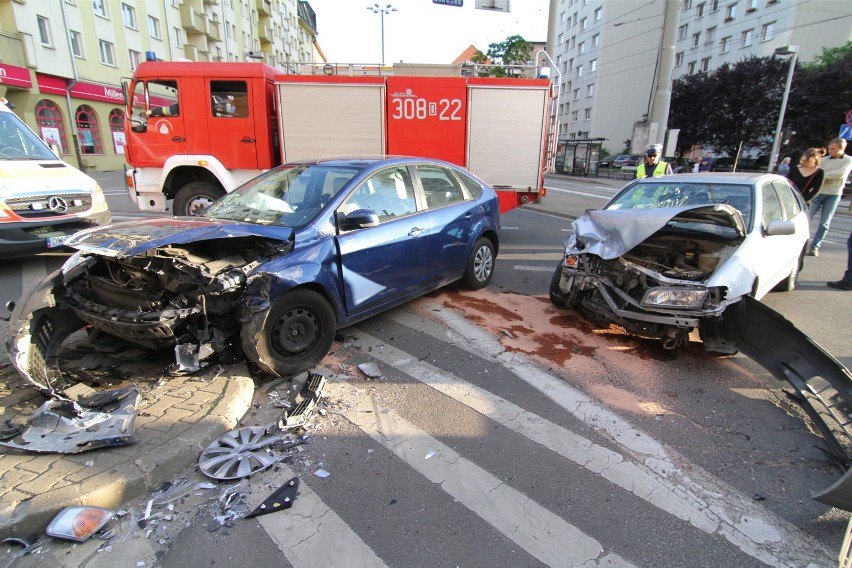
(611, 233)
(135, 237)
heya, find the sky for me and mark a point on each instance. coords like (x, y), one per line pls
(420, 31)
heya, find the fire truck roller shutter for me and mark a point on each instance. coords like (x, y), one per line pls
(506, 135)
(331, 120)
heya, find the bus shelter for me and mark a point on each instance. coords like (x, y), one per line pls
(578, 156)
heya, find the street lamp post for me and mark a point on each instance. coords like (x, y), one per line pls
(776, 141)
(382, 10)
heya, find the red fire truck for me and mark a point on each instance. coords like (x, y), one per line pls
(197, 130)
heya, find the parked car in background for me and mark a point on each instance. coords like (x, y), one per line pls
(272, 269)
(670, 254)
(605, 162)
(43, 200)
(633, 160)
(619, 160)
(722, 164)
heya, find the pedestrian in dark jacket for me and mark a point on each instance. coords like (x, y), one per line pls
(807, 177)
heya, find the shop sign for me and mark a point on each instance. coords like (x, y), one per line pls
(14, 76)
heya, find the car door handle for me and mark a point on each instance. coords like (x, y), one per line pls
(248, 140)
(468, 216)
(415, 232)
(178, 139)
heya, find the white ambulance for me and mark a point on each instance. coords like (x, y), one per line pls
(43, 200)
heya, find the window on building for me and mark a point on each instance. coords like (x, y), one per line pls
(44, 31)
(731, 12)
(576, 94)
(579, 71)
(116, 127)
(710, 36)
(588, 113)
(687, 4)
(153, 27)
(561, 39)
(767, 31)
(574, 116)
(752, 5)
(678, 58)
(584, 23)
(561, 17)
(135, 58)
(726, 44)
(682, 31)
(690, 69)
(748, 37)
(128, 15)
(99, 7)
(178, 35)
(107, 52)
(581, 48)
(88, 131)
(596, 40)
(696, 39)
(593, 66)
(699, 10)
(76, 43)
(598, 14)
(714, 5)
(705, 65)
(590, 90)
(50, 123)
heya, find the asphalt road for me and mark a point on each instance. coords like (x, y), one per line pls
(503, 432)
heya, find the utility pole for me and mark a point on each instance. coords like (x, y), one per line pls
(660, 103)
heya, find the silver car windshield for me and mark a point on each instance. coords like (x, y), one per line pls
(17, 142)
(651, 195)
(289, 196)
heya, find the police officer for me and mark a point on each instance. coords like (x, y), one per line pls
(652, 166)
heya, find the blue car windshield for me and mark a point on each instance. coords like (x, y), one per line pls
(669, 193)
(289, 196)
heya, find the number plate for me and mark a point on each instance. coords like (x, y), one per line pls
(54, 242)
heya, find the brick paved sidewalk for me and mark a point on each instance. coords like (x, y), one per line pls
(177, 418)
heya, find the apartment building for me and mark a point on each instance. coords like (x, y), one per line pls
(607, 51)
(62, 61)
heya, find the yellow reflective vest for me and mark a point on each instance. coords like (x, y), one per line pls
(659, 170)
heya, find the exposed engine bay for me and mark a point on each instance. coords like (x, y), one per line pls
(170, 295)
(656, 289)
(188, 297)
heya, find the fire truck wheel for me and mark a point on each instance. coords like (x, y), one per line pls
(193, 198)
(293, 335)
(480, 265)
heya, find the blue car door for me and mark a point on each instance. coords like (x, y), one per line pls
(452, 220)
(387, 263)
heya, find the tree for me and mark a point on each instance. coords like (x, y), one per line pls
(741, 102)
(732, 105)
(514, 50)
(820, 95)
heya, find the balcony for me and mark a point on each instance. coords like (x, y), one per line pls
(265, 33)
(264, 8)
(193, 22)
(213, 30)
(12, 49)
(190, 52)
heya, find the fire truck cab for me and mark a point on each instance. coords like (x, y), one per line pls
(198, 130)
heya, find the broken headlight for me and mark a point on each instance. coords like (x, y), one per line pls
(675, 297)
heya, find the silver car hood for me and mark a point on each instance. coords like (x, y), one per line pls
(609, 233)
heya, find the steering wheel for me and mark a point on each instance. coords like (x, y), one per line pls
(12, 152)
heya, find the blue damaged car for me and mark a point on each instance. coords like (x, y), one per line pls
(271, 270)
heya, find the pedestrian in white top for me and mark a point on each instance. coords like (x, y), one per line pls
(837, 167)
